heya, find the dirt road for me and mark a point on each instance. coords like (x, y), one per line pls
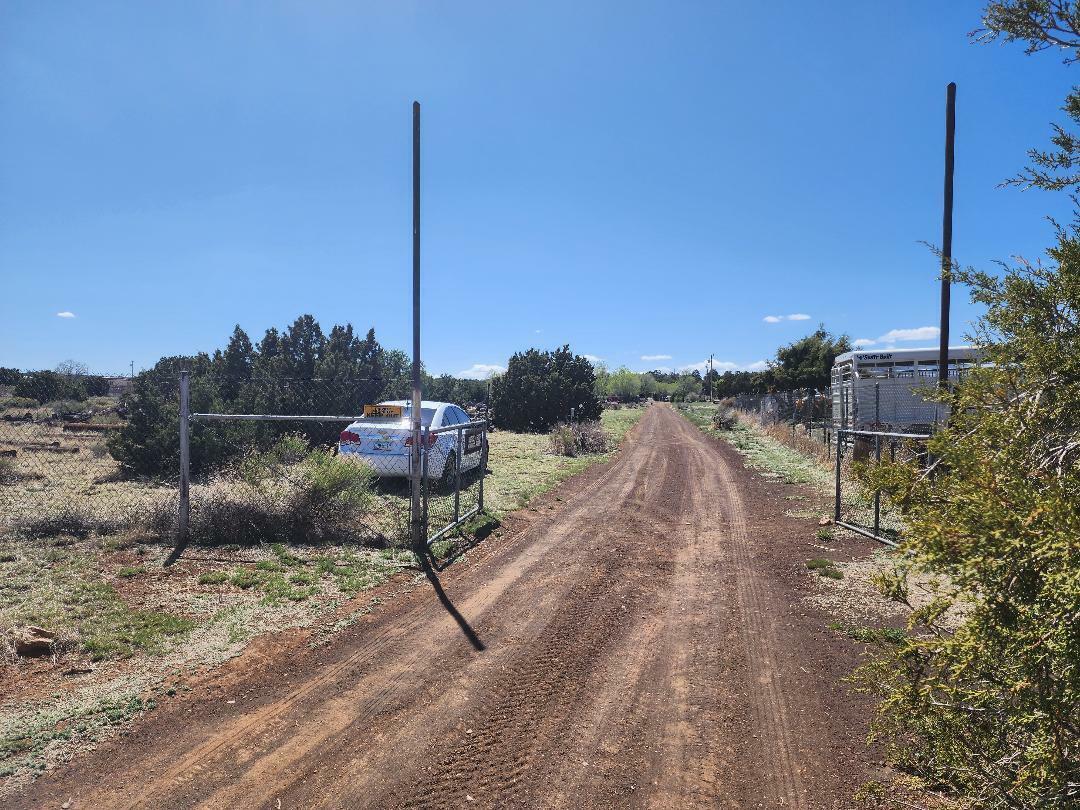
(638, 641)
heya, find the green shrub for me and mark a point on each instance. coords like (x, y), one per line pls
(991, 709)
(323, 497)
(299, 370)
(19, 403)
(49, 386)
(539, 389)
(66, 407)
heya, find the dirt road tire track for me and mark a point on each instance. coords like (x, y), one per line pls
(644, 645)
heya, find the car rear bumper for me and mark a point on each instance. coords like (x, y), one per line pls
(385, 465)
(391, 465)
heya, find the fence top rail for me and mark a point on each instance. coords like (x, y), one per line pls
(269, 417)
(849, 431)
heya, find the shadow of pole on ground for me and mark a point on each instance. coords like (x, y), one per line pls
(466, 628)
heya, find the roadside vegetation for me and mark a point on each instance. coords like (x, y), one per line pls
(988, 713)
(764, 452)
(525, 465)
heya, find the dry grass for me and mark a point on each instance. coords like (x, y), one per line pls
(57, 473)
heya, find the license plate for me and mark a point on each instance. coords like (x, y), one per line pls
(383, 411)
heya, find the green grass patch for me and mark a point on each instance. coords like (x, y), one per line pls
(285, 557)
(246, 578)
(617, 423)
(213, 578)
(61, 591)
(870, 635)
(27, 736)
(824, 568)
(129, 571)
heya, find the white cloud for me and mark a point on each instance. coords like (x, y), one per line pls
(592, 358)
(858, 344)
(919, 333)
(723, 365)
(480, 371)
(65, 314)
(795, 316)
(649, 357)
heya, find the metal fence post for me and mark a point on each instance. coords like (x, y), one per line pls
(836, 505)
(483, 467)
(185, 459)
(424, 485)
(877, 493)
(457, 476)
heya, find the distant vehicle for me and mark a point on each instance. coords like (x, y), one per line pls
(881, 390)
(382, 438)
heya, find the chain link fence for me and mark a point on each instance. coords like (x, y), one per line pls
(861, 424)
(61, 468)
(862, 510)
(102, 453)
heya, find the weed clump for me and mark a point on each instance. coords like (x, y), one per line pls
(824, 568)
(725, 418)
(289, 494)
(579, 438)
(73, 521)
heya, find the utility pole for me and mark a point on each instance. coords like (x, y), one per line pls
(946, 235)
(132, 368)
(710, 377)
(417, 481)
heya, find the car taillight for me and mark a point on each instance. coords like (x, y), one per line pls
(348, 437)
(431, 439)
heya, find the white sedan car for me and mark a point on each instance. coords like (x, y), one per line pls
(382, 438)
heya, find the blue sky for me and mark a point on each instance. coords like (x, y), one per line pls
(639, 180)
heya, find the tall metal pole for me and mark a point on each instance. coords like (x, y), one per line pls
(946, 235)
(417, 480)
